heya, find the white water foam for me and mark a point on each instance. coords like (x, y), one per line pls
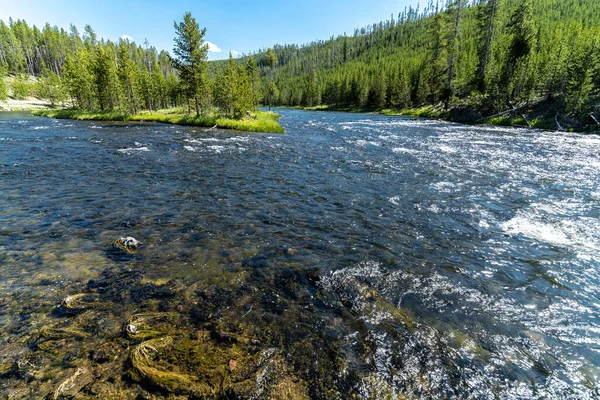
(574, 233)
(133, 150)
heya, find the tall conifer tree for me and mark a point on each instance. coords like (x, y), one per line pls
(191, 57)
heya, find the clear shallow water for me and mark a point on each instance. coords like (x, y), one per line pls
(451, 260)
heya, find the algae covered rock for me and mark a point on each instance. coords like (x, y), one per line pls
(77, 303)
(201, 363)
(73, 384)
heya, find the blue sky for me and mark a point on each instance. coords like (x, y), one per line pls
(232, 25)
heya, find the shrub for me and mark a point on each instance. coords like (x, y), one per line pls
(21, 89)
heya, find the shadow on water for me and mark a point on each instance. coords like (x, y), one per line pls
(357, 256)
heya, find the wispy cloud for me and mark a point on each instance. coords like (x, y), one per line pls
(127, 37)
(213, 48)
(235, 53)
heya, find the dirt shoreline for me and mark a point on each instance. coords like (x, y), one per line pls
(31, 103)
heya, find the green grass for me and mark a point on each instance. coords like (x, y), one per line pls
(260, 121)
(541, 123)
(349, 109)
(423, 112)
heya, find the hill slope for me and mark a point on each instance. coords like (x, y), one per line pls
(488, 57)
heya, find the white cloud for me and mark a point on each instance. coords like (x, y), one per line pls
(213, 48)
(127, 37)
(235, 53)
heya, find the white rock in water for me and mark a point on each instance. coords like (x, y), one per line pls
(128, 243)
(132, 329)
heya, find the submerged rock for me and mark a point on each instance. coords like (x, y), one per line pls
(128, 244)
(73, 384)
(77, 303)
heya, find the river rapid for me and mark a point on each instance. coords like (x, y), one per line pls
(355, 256)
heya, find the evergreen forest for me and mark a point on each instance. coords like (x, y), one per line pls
(92, 74)
(480, 57)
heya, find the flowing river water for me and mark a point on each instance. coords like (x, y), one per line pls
(355, 256)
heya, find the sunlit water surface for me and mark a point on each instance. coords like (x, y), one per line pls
(466, 257)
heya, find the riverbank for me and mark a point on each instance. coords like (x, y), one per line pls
(540, 114)
(29, 104)
(259, 121)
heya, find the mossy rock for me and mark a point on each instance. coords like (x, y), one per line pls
(201, 366)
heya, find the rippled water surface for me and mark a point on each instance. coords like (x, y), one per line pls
(359, 255)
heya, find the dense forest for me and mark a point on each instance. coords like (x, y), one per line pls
(482, 55)
(81, 71)
(487, 55)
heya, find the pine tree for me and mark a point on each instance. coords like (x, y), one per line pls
(79, 79)
(272, 90)
(20, 87)
(311, 92)
(126, 73)
(173, 91)
(243, 96)
(49, 87)
(158, 86)
(434, 65)
(581, 70)
(521, 34)
(89, 37)
(190, 57)
(486, 19)
(454, 10)
(104, 71)
(233, 93)
(3, 88)
(272, 93)
(378, 92)
(10, 50)
(252, 73)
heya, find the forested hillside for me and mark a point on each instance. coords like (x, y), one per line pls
(84, 70)
(482, 56)
(86, 73)
(489, 55)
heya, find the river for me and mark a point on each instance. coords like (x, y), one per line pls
(355, 255)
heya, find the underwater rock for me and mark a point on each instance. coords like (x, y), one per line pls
(73, 384)
(132, 329)
(31, 367)
(256, 262)
(199, 365)
(76, 303)
(151, 325)
(128, 244)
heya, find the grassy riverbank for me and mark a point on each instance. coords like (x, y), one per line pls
(260, 121)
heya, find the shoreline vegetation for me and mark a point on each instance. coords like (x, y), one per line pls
(122, 81)
(538, 115)
(527, 62)
(258, 121)
(495, 62)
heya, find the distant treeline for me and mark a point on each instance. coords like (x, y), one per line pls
(485, 54)
(92, 74)
(489, 55)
